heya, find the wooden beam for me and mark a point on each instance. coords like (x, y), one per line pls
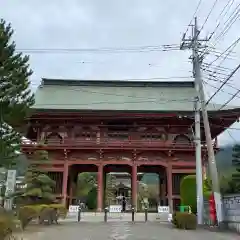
(184, 171)
(52, 169)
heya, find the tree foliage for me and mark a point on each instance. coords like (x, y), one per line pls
(86, 181)
(110, 188)
(15, 94)
(92, 199)
(236, 163)
(38, 185)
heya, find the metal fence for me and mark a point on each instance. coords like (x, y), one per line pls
(231, 207)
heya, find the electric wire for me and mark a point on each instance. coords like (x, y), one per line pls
(227, 129)
(158, 48)
(230, 76)
(228, 51)
(209, 14)
(229, 23)
(227, 7)
(194, 14)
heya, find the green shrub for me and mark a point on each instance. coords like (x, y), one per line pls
(61, 209)
(184, 220)
(42, 212)
(92, 199)
(46, 215)
(188, 192)
(26, 214)
(6, 224)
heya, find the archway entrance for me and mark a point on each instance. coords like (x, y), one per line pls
(152, 189)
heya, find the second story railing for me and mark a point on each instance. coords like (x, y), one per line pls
(105, 142)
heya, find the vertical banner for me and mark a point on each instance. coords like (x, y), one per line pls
(10, 187)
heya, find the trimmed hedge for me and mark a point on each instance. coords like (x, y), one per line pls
(42, 213)
(7, 224)
(188, 192)
(185, 220)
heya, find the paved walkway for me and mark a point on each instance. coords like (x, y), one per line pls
(124, 230)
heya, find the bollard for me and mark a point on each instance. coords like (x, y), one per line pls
(146, 214)
(133, 214)
(79, 213)
(105, 214)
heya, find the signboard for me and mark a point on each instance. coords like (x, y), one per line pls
(73, 208)
(115, 208)
(169, 217)
(10, 188)
(163, 209)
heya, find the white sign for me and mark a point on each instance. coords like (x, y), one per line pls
(115, 208)
(10, 188)
(73, 208)
(169, 217)
(163, 209)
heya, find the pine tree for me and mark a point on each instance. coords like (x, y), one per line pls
(110, 189)
(236, 164)
(39, 186)
(15, 95)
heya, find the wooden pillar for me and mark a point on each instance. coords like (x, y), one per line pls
(100, 188)
(134, 186)
(71, 191)
(65, 183)
(105, 203)
(169, 187)
(162, 189)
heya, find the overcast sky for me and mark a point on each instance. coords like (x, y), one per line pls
(95, 24)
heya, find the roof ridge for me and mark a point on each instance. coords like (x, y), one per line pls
(120, 83)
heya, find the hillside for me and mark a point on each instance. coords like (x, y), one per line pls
(223, 159)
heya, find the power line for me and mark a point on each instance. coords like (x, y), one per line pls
(230, 76)
(210, 12)
(222, 90)
(161, 48)
(229, 50)
(227, 8)
(227, 102)
(196, 10)
(228, 23)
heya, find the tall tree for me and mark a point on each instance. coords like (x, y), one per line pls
(236, 164)
(15, 94)
(39, 186)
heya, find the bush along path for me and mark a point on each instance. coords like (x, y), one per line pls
(11, 223)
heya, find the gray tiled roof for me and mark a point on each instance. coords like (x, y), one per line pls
(116, 95)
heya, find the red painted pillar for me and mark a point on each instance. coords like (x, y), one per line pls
(65, 183)
(169, 187)
(100, 188)
(162, 190)
(134, 187)
(71, 192)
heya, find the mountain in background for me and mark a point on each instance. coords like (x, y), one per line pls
(223, 160)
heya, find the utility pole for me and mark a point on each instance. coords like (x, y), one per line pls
(198, 154)
(194, 44)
